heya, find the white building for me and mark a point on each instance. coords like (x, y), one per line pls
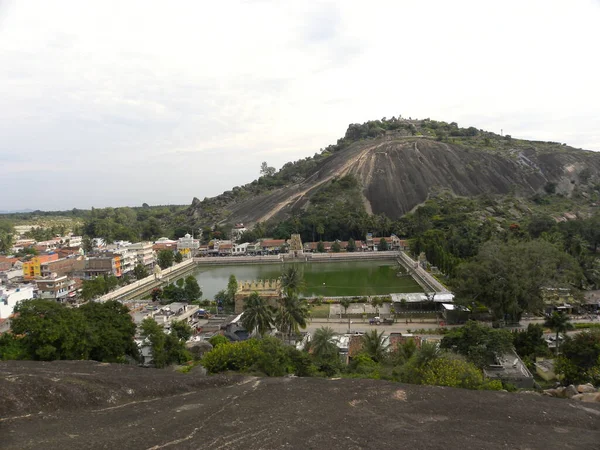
(188, 243)
(59, 288)
(145, 254)
(74, 241)
(9, 298)
(240, 249)
(12, 275)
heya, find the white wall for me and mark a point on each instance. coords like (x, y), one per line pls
(10, 297)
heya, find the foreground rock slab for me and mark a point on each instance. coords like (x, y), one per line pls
(86, 405)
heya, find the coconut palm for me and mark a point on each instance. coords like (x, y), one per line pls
(322, 344)
(560, 324)
(373, 345)
(292, 281)
(257, 314)
(291, 315)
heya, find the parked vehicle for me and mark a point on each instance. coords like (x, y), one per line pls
(378, 321)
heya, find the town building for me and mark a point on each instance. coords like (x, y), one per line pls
(509, 368)
(107, 264)
(164, 244)
(144, 253)
(240, 249)
(33, 267)
(74, 241)
(63, 266)
(9, 298)
(273, 246)
(11, 276)
(188, 244)
(59, 288)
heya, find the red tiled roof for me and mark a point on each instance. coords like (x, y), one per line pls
(272, 242)
(225, 246)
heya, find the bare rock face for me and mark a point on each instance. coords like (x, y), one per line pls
(586, 388)
(399, 173)
(570, 391)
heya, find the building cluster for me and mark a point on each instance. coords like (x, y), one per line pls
(55, 269)
(267, 246)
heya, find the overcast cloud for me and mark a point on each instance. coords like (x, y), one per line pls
(117, 103)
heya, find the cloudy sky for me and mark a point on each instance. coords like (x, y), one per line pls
(118, 103)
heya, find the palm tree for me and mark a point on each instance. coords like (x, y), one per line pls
(373, 345)
(560, 323)
(377, 302)
(292, 281)
(257, 314)
(322, 344)
(345, 302)
(291, 315)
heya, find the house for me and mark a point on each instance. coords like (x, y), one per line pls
(9, 298)
(393, 242)
(592, 301)
(11, 276)
(63, 266)
(240, 249)
(455, 314)
(165, 244)
(224, 248)
(272, 246)
(59, 288)
(7, 263)
(107, 264)
(33, 267)
(144, 253)
(509, 368)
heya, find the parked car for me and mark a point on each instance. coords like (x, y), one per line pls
(378, 321)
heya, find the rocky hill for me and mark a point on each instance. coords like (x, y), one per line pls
(83, 404)
(401, 163)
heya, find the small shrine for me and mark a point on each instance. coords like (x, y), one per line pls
(296, 249)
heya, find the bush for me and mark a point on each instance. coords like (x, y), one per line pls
(217, 340)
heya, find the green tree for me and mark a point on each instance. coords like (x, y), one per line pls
(51, 331)
(166, 348)
(266, 170)
(480, 344)
(580, 358)
(509, 277)
(559, 323)
(322, 345)
(181, 330)
(178, 258)
(336, 247)
(320, 247)
(291, 315)
(345, 303)
(373, 344)
(530, 343)
(351, 245)
(383, 245)
(191, 289)
(377, 302)
(292, 281)
(111, 331)
(165, 258)
(6, 236)
(257, 314)
(453, 372)
(320, 231)
(140, 271)
(87, 244)
(232, 288)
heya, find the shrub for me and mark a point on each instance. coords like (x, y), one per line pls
(217, 340)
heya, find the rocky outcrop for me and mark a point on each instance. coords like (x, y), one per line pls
(398, 173)
(583, 392)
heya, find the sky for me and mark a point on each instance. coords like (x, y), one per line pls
(117, 103)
